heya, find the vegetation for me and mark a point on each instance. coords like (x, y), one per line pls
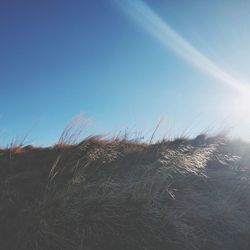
(121, 194)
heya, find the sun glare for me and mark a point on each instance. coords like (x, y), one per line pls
(241, 106)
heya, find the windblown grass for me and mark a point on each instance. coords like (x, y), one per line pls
(118, 194)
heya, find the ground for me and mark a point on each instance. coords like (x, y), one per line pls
(123, 194)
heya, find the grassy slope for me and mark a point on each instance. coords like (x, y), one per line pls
(105, 195)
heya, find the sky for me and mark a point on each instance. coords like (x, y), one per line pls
(125, 65)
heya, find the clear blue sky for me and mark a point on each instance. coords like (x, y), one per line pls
(60, 58)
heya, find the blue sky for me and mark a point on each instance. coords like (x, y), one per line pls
(60, 58)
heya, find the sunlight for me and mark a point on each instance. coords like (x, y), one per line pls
(158, 28)
(170, 39)
(240, 106)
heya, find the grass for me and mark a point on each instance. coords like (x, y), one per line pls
(122, 194)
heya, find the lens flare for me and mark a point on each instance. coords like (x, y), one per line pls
(171, 40)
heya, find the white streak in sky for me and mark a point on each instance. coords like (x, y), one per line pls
(158, 28)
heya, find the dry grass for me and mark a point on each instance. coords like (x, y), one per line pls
(119, 194)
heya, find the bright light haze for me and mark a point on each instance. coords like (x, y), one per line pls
(106, 59)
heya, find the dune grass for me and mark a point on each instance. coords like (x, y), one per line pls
(122, 194)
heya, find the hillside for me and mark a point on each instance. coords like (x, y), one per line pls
(125, 195)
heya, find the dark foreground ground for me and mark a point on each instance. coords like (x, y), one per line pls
(123, 195)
